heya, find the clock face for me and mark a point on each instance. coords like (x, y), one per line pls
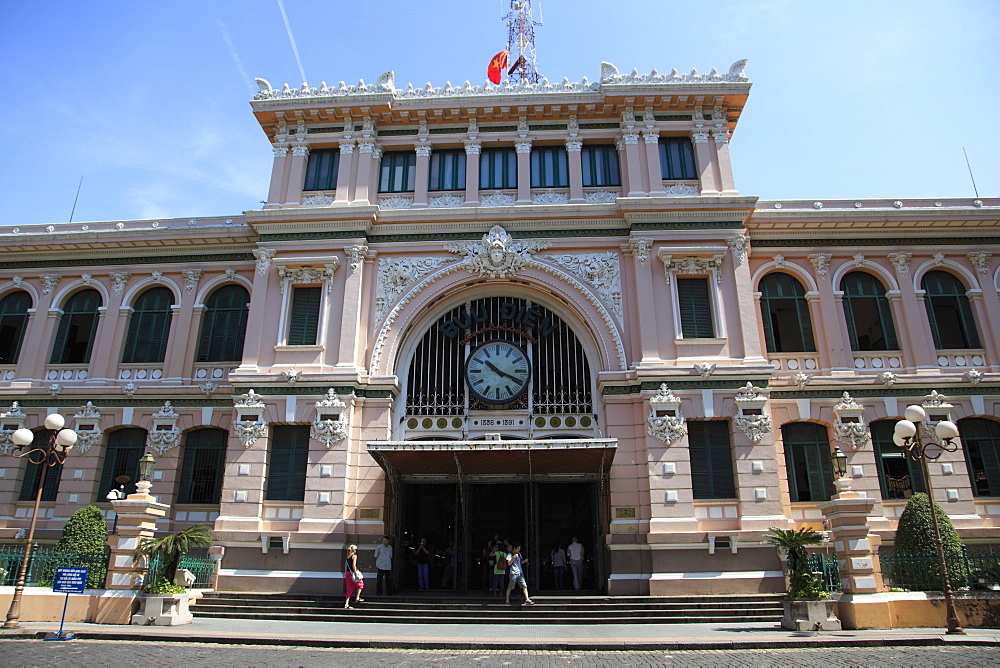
(497, 372)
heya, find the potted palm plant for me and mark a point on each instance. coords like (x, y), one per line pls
(807, 606)
(166, 603)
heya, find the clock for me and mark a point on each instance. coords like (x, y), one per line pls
(497, 372)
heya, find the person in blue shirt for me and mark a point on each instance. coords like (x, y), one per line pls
(515, 561)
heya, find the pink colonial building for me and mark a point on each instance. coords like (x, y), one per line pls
(543, 311)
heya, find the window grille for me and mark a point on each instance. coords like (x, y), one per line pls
(286, 470)
(201, 469)
(304, 317)
(981, 442)
(711, 460)
(899, 476)
(224, 325)
(695, 305)
(807, 459)
(121, 458)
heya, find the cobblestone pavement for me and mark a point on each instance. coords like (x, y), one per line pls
(81, 653)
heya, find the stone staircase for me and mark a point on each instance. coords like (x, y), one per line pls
(472, 609)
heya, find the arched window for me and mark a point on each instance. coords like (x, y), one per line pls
(981, 442)
(33, 473)
(869, 319)
(807, 460)
(121, 461)
(224, 325)
(75, 335)
(13, 321)
(898, 475)
(949, 311)
(201, 469)
(783, 307)
(148, 327)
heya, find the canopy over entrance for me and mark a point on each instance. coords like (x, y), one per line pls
(499, 461)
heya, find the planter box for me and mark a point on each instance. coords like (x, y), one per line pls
(802, 615)
(164, 610)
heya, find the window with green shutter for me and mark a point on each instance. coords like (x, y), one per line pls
(286, 468)
(695, 305)
(202, 465)
(497, 169)
(303, 320)
(549, 167)
(711, 460)
(121, 461)
(321, 171)
(949, 311)
(148, 327)
(77, 326)
(447, 170)
(224, 325)
(899, 476)
(981, 442)
(33, 472)
(785, 312)
(13, 321)
(869, 318)
(807, 460)
(600, 166)
(397, 172)
(677, 158)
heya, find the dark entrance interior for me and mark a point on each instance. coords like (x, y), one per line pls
(458, 520)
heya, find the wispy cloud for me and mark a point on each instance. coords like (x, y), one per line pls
(291, 38)
(235, 55)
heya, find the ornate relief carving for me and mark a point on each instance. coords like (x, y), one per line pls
(935, 404)
(751, 418)
(821, 261)
(850, 427)
(599, 270)
(498, 199)
(128, 388)
(720, 136)
(549, 197)
(705, 369)
(640, 248)
(395, 274)
(446, 201)
(738, 247)
(522, 145)
(938, 259)
(981, 261)
(264, 257)
(901, 263)
(165, 434)
(779, 261)
(699, 136)
(859, 260)
(887, 378)
(157, 276)
(208, 388)
(601, 197)
(317, 200)
(973, 376)
(497, 255)
(665, 420)
(355, 255)
(802, 379)
(88, 428)
(681, 190)
(49, 282)
(15, 418)
(118, 281)
(573, 145)
(397, 202)
(191, 278)
(330, 430)
(250, 424)
(309, 274)
(291, 376)
(423, 150)
(690, 265)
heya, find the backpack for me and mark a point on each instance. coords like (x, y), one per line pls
(501, 560)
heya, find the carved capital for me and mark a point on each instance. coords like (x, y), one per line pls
(821, 261)
(423, 150)
(264, 257)
(279, 150)
(300, 151)
(574, 145)
(522, 145)
(901, 263)
(640, 248)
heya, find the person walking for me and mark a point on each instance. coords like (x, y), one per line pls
(423, 559)
(352, 577)
(575, 551)
(383, 562)
(558, 566)
(517, 574)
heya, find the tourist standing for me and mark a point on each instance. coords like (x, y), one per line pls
(423, 559)
(517, 574)
(575, 551)
(499, 569)
(558, 565)
(383, 562)
(352, 577)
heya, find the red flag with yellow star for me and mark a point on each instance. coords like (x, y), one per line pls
(497, 65)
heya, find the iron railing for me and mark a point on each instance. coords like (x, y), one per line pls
(922, 572)
(43, 563)
(825, 567)
(201, 567)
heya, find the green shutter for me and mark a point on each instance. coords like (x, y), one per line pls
(981, 442)
(224, 324)
(695, 308)
(286, 474)
(304, 317)
(148, 327)
(807, 458)
(711, 456)
(201, 469)
(77, 326)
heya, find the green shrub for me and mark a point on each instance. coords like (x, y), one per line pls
(86, 534)
(915, 538)
(803, 584)
(163, 587)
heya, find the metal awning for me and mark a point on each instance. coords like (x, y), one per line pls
(485, 461)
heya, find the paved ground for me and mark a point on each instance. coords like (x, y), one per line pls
(82, 653)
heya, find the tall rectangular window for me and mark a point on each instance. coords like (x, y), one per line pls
(201, 468)
(711, 460)
(695, 306)
(286, 470)
(497, 169)
(447, 170)
(121, 461)
(321, 172)
(549, 167)
(303, 321)
(397, 172)
(600, 166)
(898, 475)
(677, 158)
(807, 460)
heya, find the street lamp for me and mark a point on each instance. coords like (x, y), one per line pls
(58, 444)
(839, 461)
(909, 435)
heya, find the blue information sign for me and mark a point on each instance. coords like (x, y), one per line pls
(70, 580)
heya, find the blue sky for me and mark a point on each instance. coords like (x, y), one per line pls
(149, 100)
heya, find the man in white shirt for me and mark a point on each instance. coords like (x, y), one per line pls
(575, 551)
(383, 562)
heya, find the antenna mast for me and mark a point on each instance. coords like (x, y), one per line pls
(521, 42)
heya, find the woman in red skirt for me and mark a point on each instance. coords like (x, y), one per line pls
(352, 577)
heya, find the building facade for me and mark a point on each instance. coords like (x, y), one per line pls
(543, 311)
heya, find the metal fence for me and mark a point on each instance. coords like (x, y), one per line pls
(826, 568)
(922, 572)
(43, 563)
(201, 567)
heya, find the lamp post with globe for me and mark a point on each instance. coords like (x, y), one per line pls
(58, 442)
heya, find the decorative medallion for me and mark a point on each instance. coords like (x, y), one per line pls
(118, 281)
(599, 270)
(191, 278)
(250, 424)
(665, 420)
(821, 261)
(10, 422)
(640, 248)
(738, 247)
(751, 418)
(497, 255)
(850, 427)
(705, 369)
(87, 428)
(164, 434)
(330, 424)
(355, 255)
(264, 257)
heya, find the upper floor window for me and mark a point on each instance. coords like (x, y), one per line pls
(286, 468)
(33, 473)
(497, 168)
(304, 317)
(600, 166)
(201, 469)
(899, 476)
(807, 460)
(321, 172)
(695, 305)
(981, 442)
(77, 326)
(549, 167)
(869, 318)
(148, 327)
(447, 170)
(711, 460)
(677, 158)
(949, 311)
(13, 321)
(121, 461)
(224, 325)
(398, 172)
(785, 312)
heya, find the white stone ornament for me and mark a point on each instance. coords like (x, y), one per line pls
(395, 274)
(681, 190)
(317, 200)
(54, 389)
(599, 270)
(600, 197)
(887, 378)
(705, 369)
(935, 406)
(802, 379)
(901, 263)
(129, 389)
(355, 256)
(690, 266)
(665, 420)
(396, 202)
(250, 424)
(191, 278)
(973, 376)
(10, 421)
(738, 247)
(751, 418)
(208, 388)
(497, 255)
(118, 281)
(640, 248)
(322, 274)
(550, 197)
(330, 424)
(981, 261)
(49, 282)
(87, 428)
(264, 257)
(446, 200)
(291, 376)
(165, 434)
(821, 261)
(850, 427)
(497, 199)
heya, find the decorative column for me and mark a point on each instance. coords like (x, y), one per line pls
(632, 163)
(361, 189)
(110, 331)
(344, 173)
(704, 160)
(276, 191)
(137, 515)
(296, 174)
(727, 185)
(651, 139)
(913, 328)
(350, 321)
(574, 155)
(986, 304)
(523, 148)
(422, 173)
(757, 467)
(258, 315)
(472, 150)
(748, 301)
(646, 301)
(175, 363)
(41, 326)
